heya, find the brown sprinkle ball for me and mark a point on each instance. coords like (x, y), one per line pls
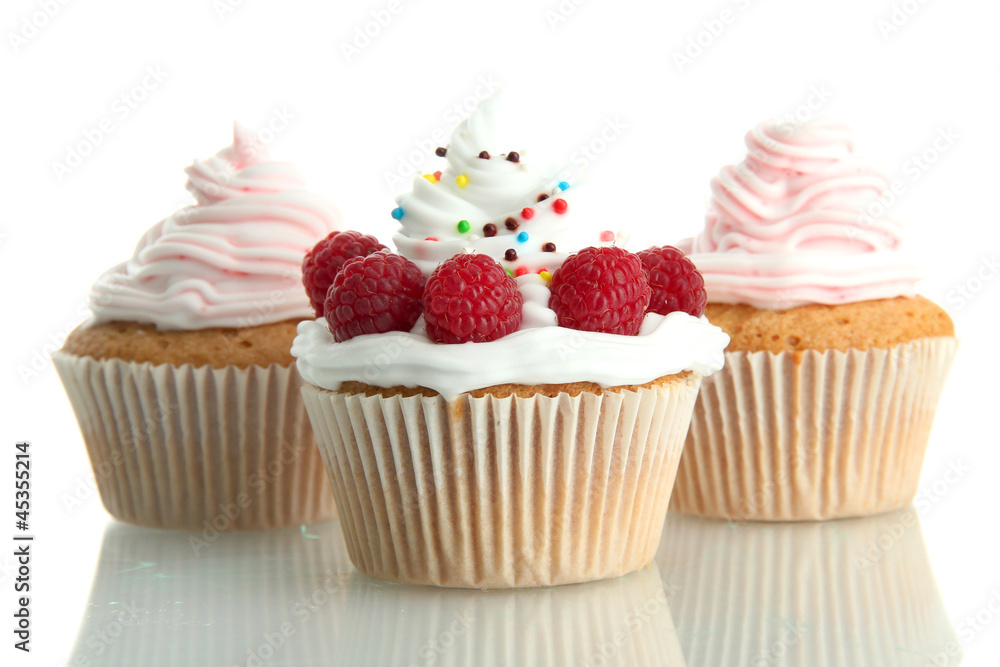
(549, 247)
(440, 151)
(489, 229)
(511, 224)
(484, 155)
(510, 255)
(542, 197)
(513, 157)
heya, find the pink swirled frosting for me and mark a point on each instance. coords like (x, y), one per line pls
(233, 259)
(790, 225)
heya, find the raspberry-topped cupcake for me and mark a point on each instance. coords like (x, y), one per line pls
(494, 413)
(836, 365)
(182, 381)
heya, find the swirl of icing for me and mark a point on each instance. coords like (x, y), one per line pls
(788, 225)
(232, 260)
(481, 191)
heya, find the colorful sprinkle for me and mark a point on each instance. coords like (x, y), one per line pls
(440, 151)
(398, 213)
(510, 273)
(511, 224)
(560, 206)
(549, 247)
(546, 276)
(563, 185)
(462, 180)
(463, 226)
(483, 155)
(542, 197)
(527, 213)
(522, 237)
(431, 178)
(489, 229)
(522, 271)
(431, 238)
(437, 175)
(513, 157)
(510, 255)
(607, 236)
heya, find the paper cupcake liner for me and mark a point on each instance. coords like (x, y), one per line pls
(502, 492)
(624, 621)
(244, 598)
(815, 435)
(823, 594)
(198, 448)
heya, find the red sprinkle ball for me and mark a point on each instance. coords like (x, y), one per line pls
(675, 282)
(560, 206)
(528, 213)
(607, 236)
(374, 294)
(470, 298)
(321, 264)
(600, 289)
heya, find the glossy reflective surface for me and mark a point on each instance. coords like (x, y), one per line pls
(855, 592)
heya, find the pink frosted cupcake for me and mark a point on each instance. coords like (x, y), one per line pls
(182, 382)
(835, 364)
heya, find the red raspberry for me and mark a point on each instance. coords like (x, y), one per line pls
(322, 263)
(600, 289)
(470, 298)
(676, 282)
(374, 294)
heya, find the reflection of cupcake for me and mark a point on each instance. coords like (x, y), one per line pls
(160, 598)
(182, 382)
(623, 621)
(851, 592)
(507, 438)
(835, 366)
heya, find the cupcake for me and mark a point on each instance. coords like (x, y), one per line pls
(494, 411)
(836, 365)
(182, 381)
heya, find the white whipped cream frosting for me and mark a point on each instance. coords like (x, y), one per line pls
(232, 260)
(788, 226)
(540, 352)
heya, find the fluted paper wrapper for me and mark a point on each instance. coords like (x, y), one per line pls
(190, 447)
(820, 594)
(624, 621)
(818, 435)
(502, 492)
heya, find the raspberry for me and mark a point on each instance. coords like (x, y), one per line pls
(676, 282)
(600, 289)
(470, 298)
(322, 263)
(374, 294)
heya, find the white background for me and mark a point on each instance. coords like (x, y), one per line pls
(574, 69)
